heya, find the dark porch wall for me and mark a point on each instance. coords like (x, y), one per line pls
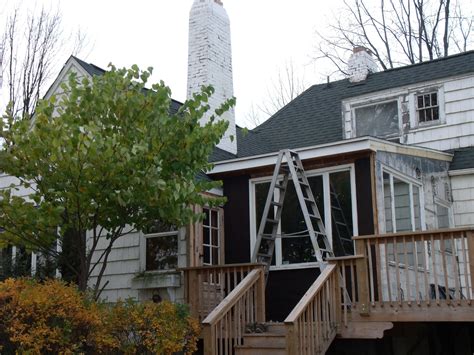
(285, 287)
(365, 211)
(237, 220)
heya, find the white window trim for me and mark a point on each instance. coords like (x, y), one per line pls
(412, 101)
(144, 237)
(324, 172)
(356, 105)
(410, 181)
(219, 243)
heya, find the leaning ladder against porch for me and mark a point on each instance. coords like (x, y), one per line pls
(289, 166)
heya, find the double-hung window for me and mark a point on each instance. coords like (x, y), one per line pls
(211, 238)
(427, 107)
(161, 247)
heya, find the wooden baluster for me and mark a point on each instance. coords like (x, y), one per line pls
(435, 274)
(425, 271)
(371, 274)
(415, 267)
(445, 269)
(456, 273)
(470, 250)
(407, 271)
(343, 296)
(355, 296)
(387, 271)
(378, 265)
(397, 270)
(466, 267)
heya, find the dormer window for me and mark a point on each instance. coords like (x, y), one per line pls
(377, 120)
(427, 107)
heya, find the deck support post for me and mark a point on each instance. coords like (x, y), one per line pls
(362, 279)
(207, 338)
(260, 288)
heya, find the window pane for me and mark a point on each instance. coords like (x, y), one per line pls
(402, 205)
(420, 101)
(215, 237)
(214, 218)
(416, 207)
(206, 216)
(377, 120)
(341, 213)
(434, 99)
(261, 192)
(443, 216)
(206, 235)
(162, 252)
(207, 256)
(299, 250)
(215, 256)
(387, 203)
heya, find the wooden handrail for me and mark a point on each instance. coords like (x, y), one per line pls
(347, 257)
(224, 327)
(414, 234)
(232, 298)
(309, 295)
(312, 324)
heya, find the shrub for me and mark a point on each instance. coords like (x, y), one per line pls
(53, 317)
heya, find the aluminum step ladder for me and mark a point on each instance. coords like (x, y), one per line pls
(289, 167)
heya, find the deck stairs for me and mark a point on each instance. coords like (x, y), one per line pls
(272, 341)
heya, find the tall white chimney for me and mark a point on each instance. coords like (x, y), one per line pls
(210, 61)
(361, 64)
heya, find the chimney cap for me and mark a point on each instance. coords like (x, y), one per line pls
(358, 49)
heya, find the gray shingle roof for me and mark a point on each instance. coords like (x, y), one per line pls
(92, 70)
(315, 117)
(463, 159)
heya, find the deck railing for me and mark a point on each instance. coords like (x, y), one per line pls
(224, 327)
(207, 286)
(411, 271)
(312, 324)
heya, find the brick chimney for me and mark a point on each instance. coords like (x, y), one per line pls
(361, 64)
(210, 61)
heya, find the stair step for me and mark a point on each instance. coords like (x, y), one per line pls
(248, 350)
(276, 328)
(265, 340)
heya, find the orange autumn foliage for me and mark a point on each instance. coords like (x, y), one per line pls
(53, 317)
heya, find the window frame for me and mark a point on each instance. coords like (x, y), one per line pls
(410, 181)
(220, 241)
(324, 172)
(426, 108)
(413, 109)
(357, 105)
(143, 252)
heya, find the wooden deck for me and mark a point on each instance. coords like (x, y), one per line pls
(405, 277)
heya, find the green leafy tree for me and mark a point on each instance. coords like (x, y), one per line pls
(101, 160)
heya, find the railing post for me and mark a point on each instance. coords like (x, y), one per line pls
(208, 340)
(260, 287)
(470, 251)
(362, 278)
(292, 339)
(192, 291)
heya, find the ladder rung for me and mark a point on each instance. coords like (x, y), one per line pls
(268, 236)
(277, 203)
(281, 187)
(266, 256)
(313, 216)
(270, 220)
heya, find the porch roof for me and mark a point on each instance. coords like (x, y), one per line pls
(330, 149)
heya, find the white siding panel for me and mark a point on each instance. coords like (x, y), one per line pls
(459, 84)
(459, 106)
(464, 94)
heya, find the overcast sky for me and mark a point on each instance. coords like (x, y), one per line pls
(266, 34)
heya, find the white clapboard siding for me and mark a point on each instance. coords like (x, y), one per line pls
(463, 196)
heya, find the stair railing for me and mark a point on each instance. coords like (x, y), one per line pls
(312, 324)
(224, 327)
